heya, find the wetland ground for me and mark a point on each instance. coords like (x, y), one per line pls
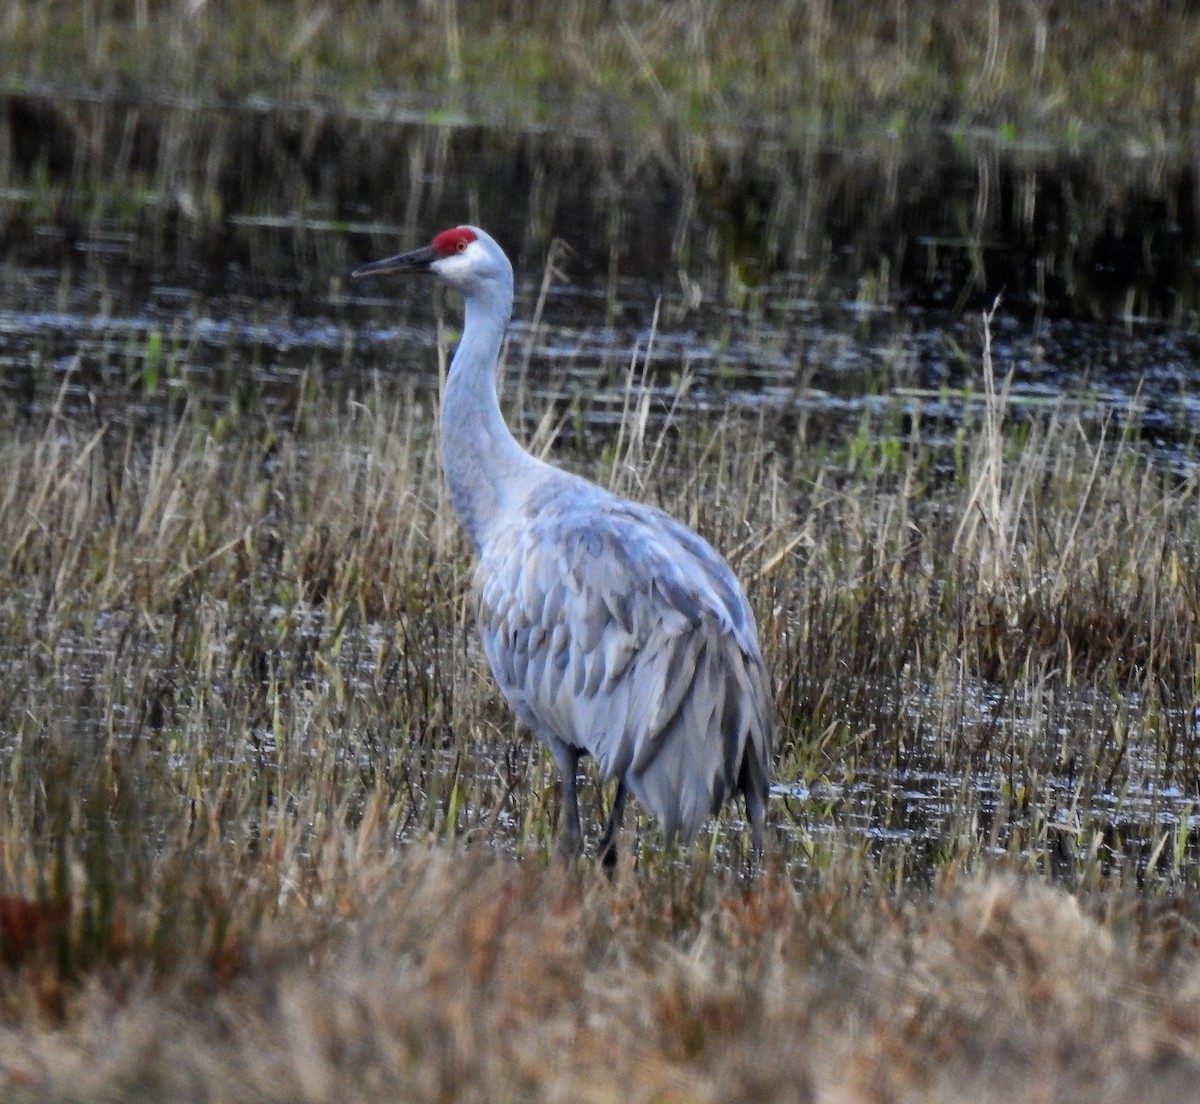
(898, 308)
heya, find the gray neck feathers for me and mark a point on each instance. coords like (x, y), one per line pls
(485, 467)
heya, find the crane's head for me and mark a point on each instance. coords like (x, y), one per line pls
(464, 256)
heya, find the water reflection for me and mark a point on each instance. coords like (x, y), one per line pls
(278, 203)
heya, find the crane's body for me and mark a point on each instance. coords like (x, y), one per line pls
(611, 629)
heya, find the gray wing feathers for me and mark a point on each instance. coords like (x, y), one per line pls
(613, 629)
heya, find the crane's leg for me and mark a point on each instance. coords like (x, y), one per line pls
(608, 842)
(570, 842)
(753, 860)
(756, 834)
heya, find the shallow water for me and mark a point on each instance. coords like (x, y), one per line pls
(1034, 792)
(1006, 776)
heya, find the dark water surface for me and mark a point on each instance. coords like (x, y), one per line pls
(208, 248)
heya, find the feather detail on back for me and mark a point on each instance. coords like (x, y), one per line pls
(615, 630)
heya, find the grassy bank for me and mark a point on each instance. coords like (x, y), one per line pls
(1057, 70)
(467, 978)
(937, 153)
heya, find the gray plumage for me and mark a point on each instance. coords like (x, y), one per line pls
(611, 629)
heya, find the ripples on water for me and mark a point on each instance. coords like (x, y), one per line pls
(1033, 791)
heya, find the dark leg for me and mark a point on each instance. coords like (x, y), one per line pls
(570, 842)
(754, 786)
(608, 842)
(756, 831)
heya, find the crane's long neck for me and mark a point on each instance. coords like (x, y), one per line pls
(485, 466)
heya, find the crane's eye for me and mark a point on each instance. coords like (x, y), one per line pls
(461, 244)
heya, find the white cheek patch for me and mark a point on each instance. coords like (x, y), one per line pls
(458, 267)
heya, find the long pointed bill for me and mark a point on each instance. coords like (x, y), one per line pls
(418, 260)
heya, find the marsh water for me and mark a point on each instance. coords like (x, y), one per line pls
(158, 255)
(143, 242)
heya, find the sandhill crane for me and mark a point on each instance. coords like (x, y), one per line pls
(611, 629)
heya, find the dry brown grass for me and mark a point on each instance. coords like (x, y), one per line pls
(451, 975)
